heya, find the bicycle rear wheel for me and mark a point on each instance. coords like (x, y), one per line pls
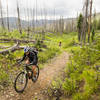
(21, 82)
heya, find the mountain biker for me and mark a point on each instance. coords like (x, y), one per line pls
(30, 55)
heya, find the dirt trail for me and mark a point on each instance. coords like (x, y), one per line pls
(46, 76)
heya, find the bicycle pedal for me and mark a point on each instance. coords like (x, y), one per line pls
(29, 75)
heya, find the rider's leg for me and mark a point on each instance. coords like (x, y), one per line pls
(33, 69)
(27, 62)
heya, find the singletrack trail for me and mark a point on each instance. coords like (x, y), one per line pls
(47, 74)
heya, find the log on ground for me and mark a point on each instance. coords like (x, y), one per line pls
(12, 49)
(18, 40)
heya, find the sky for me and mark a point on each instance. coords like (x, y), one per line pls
(65, 8)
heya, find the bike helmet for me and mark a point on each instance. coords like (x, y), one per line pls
(26, 49)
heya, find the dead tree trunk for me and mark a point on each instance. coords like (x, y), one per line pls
(12, 49)
(2, 22)
(61, 25)
(8, 17)
(89, 23)
(36, 14)
(28, 23)
(17, 40)
(9, 49)
(84, 25)
(19, 22)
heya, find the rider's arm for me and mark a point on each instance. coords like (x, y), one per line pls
(23, 58)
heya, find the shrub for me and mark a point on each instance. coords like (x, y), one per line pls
(69, 86)
(47, 54)
(78, 96)
(3, 77)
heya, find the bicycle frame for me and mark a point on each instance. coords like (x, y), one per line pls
(27, 69)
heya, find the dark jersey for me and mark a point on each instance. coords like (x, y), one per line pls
(32, 56)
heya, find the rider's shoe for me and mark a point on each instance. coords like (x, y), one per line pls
(34, 79)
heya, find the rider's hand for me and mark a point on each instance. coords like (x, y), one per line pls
(27, 64)
(19, 62)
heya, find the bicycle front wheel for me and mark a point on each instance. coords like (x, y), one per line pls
(21, 82)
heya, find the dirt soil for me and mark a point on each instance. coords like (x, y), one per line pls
(50, 71)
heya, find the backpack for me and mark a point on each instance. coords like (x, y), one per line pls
(33, 51)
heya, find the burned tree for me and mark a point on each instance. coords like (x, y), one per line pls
(32, 16)
(79, 26)
(94, 24)
(61, 24)
(84, 24)
(87, 12)
(1, 12)
(45, 25)
(8, 17)
(19, 22)
(28, 28)
(89, 21)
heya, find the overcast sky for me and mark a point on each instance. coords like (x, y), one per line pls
(66, 8)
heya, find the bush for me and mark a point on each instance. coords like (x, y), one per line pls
(78, 96)
(3, 77)
(69, 86)
(47, 54)
(90, 77)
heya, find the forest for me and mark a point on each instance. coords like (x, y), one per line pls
(68, 51)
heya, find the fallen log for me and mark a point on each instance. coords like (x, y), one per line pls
(18, 48)
(11, 49)
(4, 47)
(17, 40)
(3, 41)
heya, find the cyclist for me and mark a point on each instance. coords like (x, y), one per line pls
(30, 55)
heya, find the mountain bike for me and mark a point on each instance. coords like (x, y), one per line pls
(22, 78)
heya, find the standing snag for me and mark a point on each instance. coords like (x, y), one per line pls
(79, 26)
(19, 21)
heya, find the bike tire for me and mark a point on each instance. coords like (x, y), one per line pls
(15, 83)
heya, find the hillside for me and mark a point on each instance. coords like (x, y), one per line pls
(14, 20)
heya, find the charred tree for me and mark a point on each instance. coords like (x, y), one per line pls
(19, 21)
(28, 28)
(61, 24)
(84, 25)
(8, 17)
(2, 22)
(79, 26)
(89, 21)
